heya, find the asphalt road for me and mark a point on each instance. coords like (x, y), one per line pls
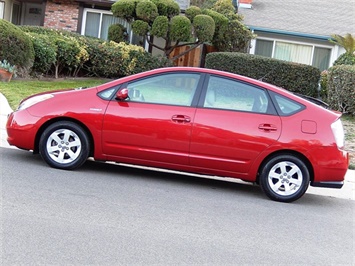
(104, 214)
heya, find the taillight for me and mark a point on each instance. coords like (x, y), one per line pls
(338, 132)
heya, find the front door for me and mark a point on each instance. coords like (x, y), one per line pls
(155, 123)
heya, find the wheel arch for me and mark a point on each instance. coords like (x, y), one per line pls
(61, 119)
(287, 152)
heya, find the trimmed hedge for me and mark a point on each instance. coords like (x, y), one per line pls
(76, 54)
(45, 53)
(117, 33)
(294, 77)
(341, 90)
(15, 46)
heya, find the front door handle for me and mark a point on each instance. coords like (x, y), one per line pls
(267, 127)
(181, 119)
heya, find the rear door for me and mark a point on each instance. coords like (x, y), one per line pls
(233, 125)
(155, 123)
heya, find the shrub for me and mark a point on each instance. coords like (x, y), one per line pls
(168, 8)
(160, 26)
(180, 28)
(117, 33)
(345, 59)
(45, 53)
(192, 11)
(324, 85)
(16, 47)
(92, 56)
(341, 91)
(291, 76)
(110, 59)
(146, 10)
(204, 27)
(124, 8)
(140, 27)
(221, 25)
(145, 61)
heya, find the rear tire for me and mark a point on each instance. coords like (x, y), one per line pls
(284, 178)
(64, 145)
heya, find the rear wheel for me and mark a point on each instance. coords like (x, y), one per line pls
(64, 145)
(284, 178)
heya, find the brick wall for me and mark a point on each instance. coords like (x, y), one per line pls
(61, 15)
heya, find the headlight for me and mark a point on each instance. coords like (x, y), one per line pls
(33, 100)
(338, 132)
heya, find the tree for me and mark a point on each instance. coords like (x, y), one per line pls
(235, 36)
(162, 18)
(348, 43)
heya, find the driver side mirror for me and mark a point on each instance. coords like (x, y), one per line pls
(122, 94)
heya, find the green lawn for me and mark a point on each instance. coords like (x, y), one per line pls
(16, 90)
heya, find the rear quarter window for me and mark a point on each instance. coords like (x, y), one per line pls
(286, 106)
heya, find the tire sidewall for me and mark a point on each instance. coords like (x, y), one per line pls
(264, 176)
(84, 153)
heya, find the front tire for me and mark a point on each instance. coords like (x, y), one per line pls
(284, 178)
(64, 145)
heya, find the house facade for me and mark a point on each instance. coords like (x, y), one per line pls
(90, 18)
(299, 31)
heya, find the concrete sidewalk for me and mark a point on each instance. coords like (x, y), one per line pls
(346, 192)
(5, 109)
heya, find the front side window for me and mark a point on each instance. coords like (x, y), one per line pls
(234, 95)
(172, 89)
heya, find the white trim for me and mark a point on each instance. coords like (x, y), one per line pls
(2, 9)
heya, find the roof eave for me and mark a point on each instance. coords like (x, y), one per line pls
(291, 33)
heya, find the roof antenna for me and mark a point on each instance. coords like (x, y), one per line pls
(262, 78)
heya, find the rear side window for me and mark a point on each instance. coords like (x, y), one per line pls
(228, 94)
(286, 106)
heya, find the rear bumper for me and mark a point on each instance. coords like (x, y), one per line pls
(328, 184)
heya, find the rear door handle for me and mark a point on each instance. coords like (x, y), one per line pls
(181, 119)
(267, 127)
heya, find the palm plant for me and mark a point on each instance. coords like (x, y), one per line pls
(347, 42)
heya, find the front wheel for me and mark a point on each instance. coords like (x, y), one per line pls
(284, 178)
(64, 145)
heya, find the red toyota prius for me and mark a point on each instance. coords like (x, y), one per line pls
(193, 120)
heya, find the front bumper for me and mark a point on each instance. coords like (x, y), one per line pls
(21, 129)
